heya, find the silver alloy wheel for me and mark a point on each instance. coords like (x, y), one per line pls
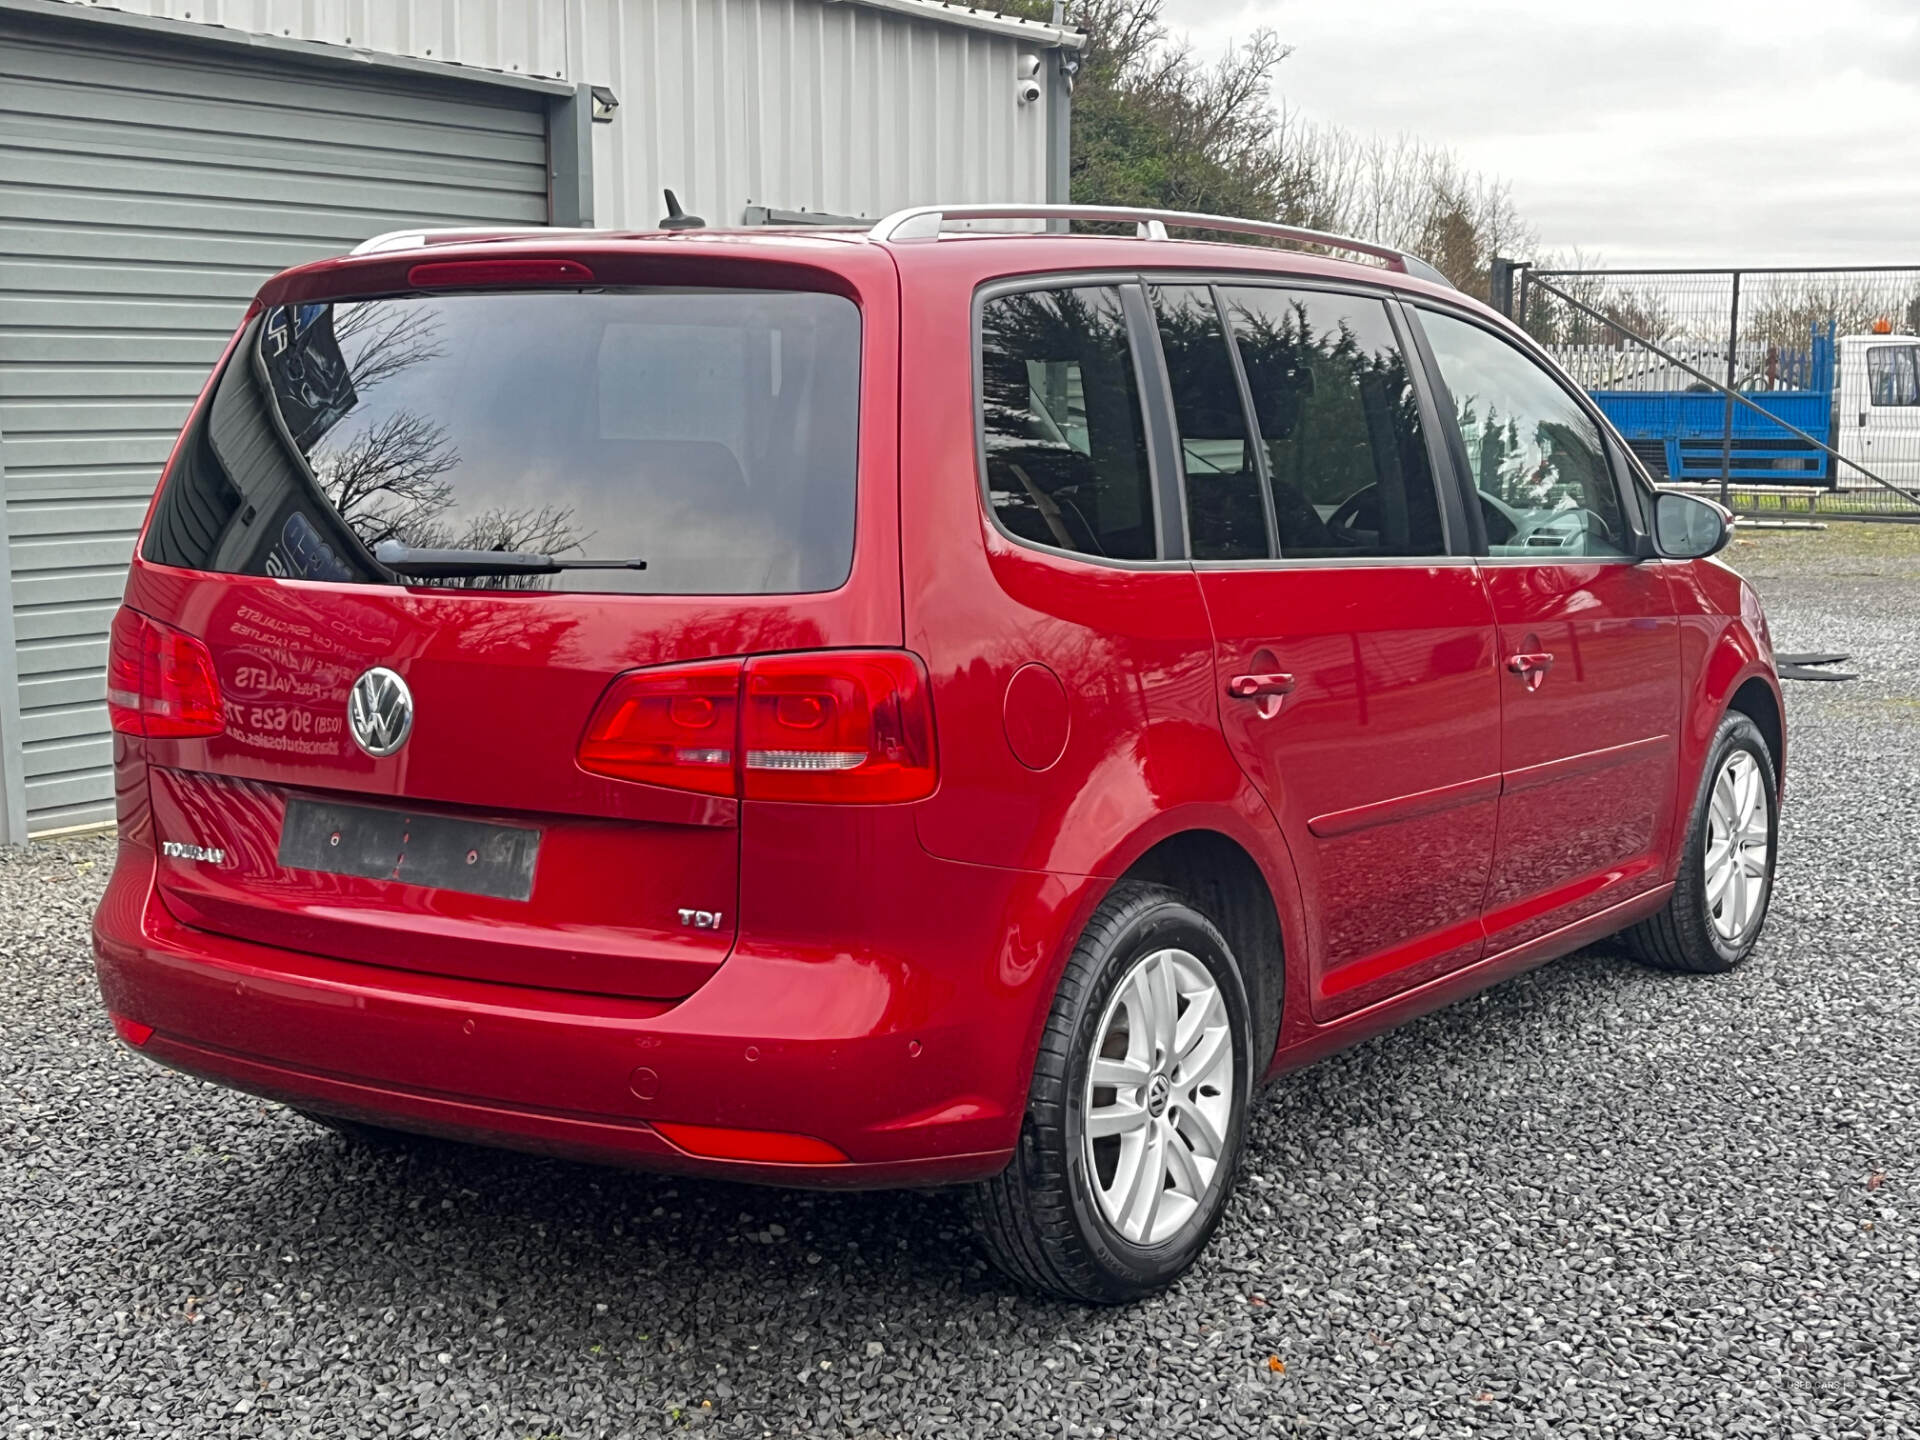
(1737, 846)
(1159, 1098)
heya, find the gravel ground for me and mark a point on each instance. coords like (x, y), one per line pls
(1595, 1201)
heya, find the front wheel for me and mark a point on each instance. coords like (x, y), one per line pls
(1712, 920)
(1137, 1111)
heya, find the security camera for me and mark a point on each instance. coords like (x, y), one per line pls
(1027, 91)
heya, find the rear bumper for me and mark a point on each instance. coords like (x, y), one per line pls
(915, 1068)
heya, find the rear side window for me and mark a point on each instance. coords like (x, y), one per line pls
(710, 433)
(1226, 517)
(1340, 422)
(1066, 445)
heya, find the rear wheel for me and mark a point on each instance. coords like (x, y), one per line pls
(1137, 1112)
(1719, 903)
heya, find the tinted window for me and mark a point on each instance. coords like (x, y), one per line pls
(1893, 374)
(1536, 455)
(710, 433)
(1340, 423)
(1066, 447)
(1226, 517)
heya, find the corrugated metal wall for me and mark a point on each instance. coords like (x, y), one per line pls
(801, 105)
(530, 37)
(794, 104)
(145, 192)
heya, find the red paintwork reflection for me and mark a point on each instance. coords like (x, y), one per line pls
(1382, 764)
(1589, 755)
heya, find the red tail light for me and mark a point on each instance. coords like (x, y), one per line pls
(831, 726)
(838, 725)
(676, 726)
(160, 680)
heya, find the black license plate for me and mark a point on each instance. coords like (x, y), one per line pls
(470, 856)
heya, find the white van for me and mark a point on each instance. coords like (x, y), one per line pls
(1876, 405)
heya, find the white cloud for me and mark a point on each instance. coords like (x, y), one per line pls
(1678, 132)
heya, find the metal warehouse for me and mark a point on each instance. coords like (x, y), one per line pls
(160, 158)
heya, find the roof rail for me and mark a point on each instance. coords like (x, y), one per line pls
(923, 222)
(453, 234)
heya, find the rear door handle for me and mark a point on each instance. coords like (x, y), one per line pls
(1252, 687)
(1531, 667)
(1267, 689)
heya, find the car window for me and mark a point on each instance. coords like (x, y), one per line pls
(1893, 374)
(1536, 456)
(712, 433)
(1066, 445)
(1340, 422)
(1226, 517)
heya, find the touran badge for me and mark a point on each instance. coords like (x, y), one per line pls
(380, 711)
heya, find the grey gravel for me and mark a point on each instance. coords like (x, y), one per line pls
(1595, 1201)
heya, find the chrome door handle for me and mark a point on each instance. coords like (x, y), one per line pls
(1531, 667)
(1252, 687)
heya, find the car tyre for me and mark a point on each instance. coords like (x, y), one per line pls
(1098, 1204)
(1725, 882)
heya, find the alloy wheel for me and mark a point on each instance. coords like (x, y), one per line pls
(1738, 844)
(1159, 1097)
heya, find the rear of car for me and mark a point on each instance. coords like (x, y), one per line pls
(513, 724)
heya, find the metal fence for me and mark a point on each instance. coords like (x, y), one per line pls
(1780, 390)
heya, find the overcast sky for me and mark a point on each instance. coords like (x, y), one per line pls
(1678, 132)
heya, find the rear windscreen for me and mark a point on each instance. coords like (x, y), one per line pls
(710, 433)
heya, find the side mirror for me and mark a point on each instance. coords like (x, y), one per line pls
(1686, 527)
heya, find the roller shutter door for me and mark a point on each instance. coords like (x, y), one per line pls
(147, 187)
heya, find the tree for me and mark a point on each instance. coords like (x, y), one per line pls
(1154, 126)
(385, 481)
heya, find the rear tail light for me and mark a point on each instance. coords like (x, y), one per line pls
(160, 681)
(676, 726)
(838, 725)
(829, 726)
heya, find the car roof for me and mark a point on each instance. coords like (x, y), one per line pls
(918, 240)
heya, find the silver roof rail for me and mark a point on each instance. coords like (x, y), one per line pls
(923, 222)
(453, 234)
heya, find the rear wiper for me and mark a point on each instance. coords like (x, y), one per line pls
(429, 563)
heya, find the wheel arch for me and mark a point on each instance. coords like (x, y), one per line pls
(1226, 884)
(1728, 666)
(1760, 702)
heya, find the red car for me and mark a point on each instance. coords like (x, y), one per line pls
(901, 708)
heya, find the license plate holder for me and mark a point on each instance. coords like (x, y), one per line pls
(436, 852)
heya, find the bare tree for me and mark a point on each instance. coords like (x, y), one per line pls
(1408, 193)
(1788, 309)
(385, 338)
(386, 482)
(1155, 125)
(537, 530)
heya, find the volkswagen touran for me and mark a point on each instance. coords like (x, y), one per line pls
(894, 707)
